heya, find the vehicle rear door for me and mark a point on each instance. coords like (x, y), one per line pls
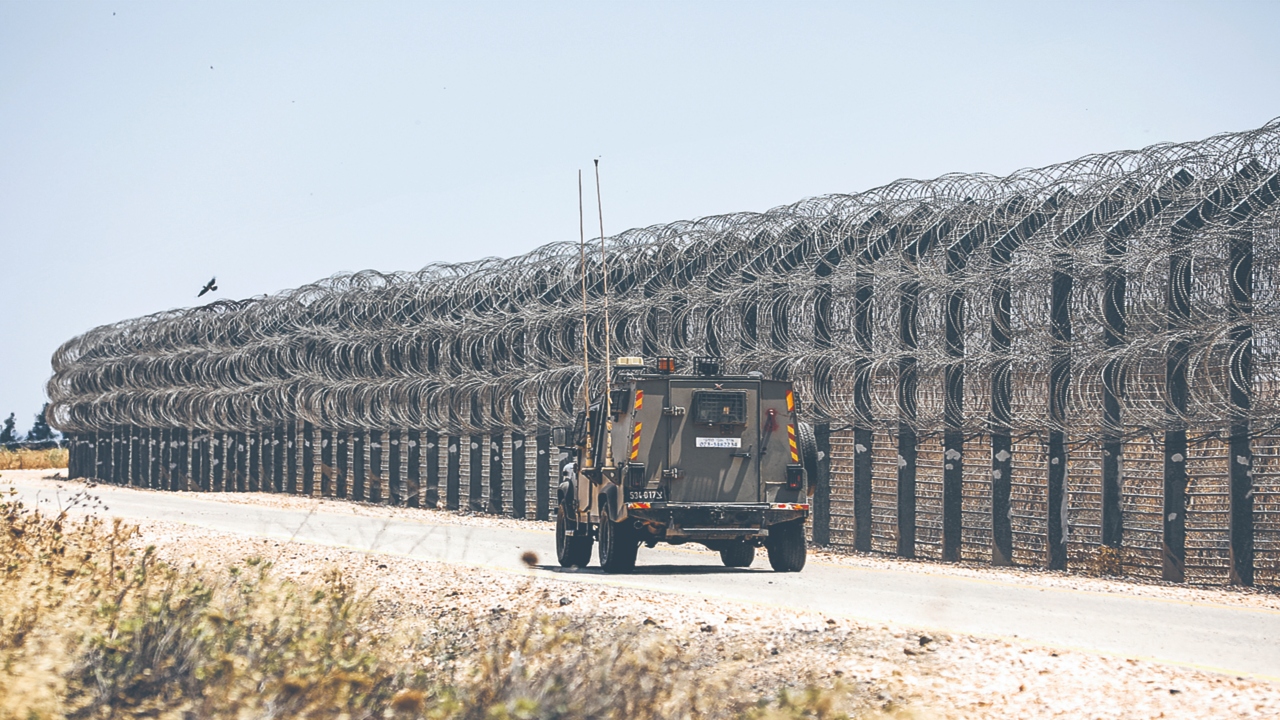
(714, 441)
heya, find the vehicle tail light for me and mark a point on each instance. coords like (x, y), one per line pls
(795, 477)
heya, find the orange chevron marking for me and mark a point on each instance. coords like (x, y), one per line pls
(635, 441)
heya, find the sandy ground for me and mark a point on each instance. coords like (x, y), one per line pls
(761, 648)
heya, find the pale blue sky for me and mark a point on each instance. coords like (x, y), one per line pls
(147, 146)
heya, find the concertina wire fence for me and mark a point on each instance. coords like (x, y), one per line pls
(1069, 367)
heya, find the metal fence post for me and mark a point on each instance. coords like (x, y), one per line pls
(542, 477)
(453, 479)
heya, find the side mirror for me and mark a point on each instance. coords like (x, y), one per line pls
(559, 436)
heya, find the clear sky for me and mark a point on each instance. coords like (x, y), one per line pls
(145, 147)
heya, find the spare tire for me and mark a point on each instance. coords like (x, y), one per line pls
(808, 454)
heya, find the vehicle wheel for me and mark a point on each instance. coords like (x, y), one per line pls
(808, 454)
(737, 553)
(572, 550)
(618, 547)
(786, 546)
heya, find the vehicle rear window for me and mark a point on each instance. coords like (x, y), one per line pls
(720, 407)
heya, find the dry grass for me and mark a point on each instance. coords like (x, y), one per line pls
(1107, 561)
(93, 626)
(33, 459)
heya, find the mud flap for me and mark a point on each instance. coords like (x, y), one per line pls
(611, 502)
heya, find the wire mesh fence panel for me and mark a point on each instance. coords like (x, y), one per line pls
(1142, 506)
(1208, 510)
(929, 463)
(1029, 502)
(1084, 504)
(435, 469)
(1266, 510)
(508, 489)
(486, 451)
(884, 492)
(460, 481)
(392, 469)
(975, 503)
(553, 499)
(554, 461)
(417, 493)
(464, 472)
(397, 467)
(376, 489)
(299, 451)
(843, 525)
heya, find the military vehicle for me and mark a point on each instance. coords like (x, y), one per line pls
(706, 457)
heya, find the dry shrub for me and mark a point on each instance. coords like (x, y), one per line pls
(94, 626)
(23, 459)
(91, 626)
(535, 666)
(1107, 560)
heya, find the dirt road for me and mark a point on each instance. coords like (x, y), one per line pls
(1233, 640)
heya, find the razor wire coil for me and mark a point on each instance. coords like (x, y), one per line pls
(874, 303)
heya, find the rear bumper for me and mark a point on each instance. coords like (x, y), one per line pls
(713, 521)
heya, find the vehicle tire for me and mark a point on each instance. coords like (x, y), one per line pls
(808, 454)
(737, 553)
(618, 547)
(786, 546)
(572, 550)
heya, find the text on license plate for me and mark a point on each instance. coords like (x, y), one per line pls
(655, 495)
(719, 442)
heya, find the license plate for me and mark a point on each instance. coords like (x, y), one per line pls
(719, 442)
(655, 495)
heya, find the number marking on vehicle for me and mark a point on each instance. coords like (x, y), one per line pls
(708, 442)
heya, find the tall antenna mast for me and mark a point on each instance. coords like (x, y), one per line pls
(586, 365)
(608, 330)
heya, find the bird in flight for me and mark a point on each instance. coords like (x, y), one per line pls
(209, 287)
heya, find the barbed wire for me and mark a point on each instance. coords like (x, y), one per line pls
(969, 301)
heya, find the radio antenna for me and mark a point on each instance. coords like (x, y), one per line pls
(604, 273)
(586, 364)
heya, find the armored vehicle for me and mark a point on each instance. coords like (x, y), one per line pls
(705, 457)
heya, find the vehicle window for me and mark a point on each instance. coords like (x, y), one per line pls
(720, 407)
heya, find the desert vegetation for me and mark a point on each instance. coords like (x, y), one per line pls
(26, 459)
(95, 625)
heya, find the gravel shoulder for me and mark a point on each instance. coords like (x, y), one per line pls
(760, 649)
(1138, 587)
